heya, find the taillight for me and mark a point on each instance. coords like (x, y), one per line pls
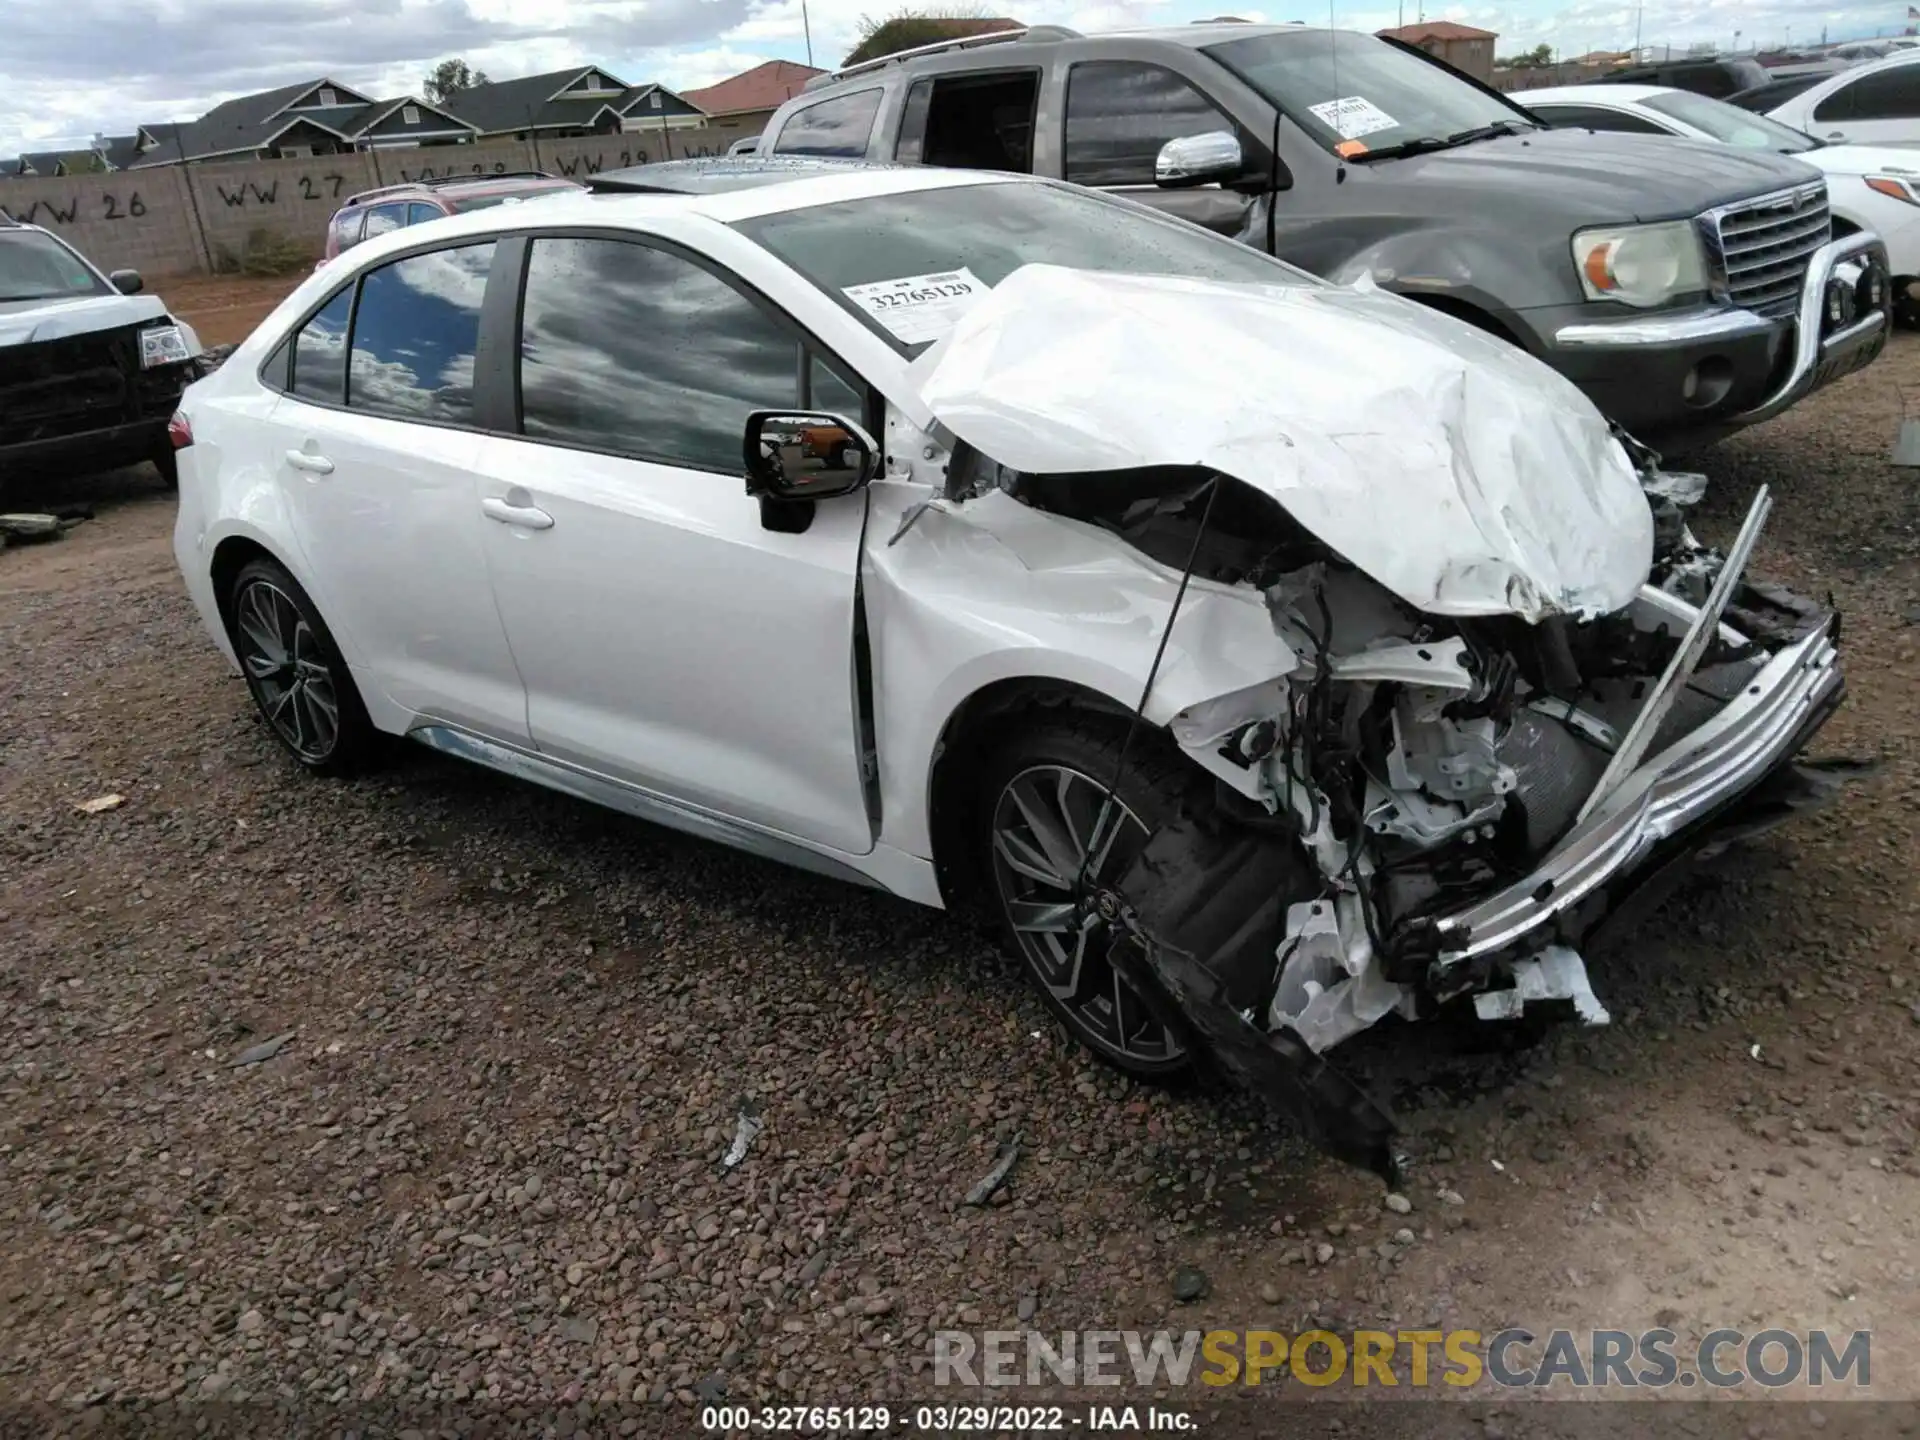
(180, 430)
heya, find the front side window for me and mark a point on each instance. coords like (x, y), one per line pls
(839, 126)
(320, 352)
(1120, 113)
(1356, 94)
(35, 266)
(415, 335)
(638, 351)
(418, 213)
(991, 230)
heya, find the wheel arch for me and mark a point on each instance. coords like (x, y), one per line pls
(1467, 311)
(230, 556)
(970, 733)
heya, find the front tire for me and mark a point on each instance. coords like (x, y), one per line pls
(1047, 841)
(295, 673)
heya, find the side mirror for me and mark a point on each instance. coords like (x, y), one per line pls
(806, 455)
(127, 282)
(1199, 160)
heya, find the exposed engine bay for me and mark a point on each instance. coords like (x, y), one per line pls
(1408, 767)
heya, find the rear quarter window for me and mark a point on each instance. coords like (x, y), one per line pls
(346, 228)
(839, 126)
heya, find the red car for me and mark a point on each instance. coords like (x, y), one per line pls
(374, 212)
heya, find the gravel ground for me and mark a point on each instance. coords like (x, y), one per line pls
(512, 1036)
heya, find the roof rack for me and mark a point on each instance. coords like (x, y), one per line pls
(432, 182)
(964, 42)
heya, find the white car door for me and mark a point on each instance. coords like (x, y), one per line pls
(1879, 106)
(378, 468)
(666, 637)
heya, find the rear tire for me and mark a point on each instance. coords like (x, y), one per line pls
(295, 673)
(1040, 818)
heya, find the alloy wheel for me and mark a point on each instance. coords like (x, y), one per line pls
(287, 668)
(1057, 837)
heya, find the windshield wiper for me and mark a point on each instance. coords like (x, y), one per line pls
(1425, 144)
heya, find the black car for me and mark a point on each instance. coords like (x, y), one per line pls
(91, 368)
(1711, 75)
(1690, 289)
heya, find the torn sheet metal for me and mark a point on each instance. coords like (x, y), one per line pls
(1463, 475)
(1330, 985)
(1556, 973)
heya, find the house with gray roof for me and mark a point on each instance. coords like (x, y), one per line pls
(585, 100)
(312, 117)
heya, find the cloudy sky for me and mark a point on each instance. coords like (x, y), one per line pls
(69, 68)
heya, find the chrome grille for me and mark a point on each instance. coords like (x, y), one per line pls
(1762, 246)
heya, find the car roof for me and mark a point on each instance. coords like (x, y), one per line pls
(724, 174)
(613, 205)
(1593, 94)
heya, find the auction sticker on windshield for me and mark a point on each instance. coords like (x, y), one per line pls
(1353, 116)
(918, 308)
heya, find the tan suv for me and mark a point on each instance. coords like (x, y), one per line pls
(391, 207)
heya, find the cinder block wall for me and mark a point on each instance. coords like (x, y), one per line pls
(183, 219)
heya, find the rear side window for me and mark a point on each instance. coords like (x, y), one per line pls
(636, 351)
(382, 218)
(840, 126)
(1887, 95)
(1120, 113)
(415, 335)
(1595, 117)
(320, 352)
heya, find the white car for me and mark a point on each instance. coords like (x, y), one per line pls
(1875, 103)
(1869, 187)
(1273, 656)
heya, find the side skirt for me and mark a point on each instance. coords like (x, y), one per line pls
(641, 804)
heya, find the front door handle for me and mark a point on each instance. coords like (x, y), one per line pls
(307, 460)
(527, 517)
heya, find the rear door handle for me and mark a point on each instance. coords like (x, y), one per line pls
(306, 460)
(527, 517)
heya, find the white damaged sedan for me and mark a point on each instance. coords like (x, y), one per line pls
(1274, 657)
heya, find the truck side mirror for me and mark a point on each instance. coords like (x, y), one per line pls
(1199, 160)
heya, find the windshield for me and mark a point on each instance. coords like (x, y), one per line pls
(947, 238)
(1730, 124)
(35, 266)
(1358, 95)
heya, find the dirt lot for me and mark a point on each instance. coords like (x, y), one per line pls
(223, 309)
(485, 1163)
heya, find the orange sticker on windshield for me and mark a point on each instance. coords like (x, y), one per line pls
(1349, 149)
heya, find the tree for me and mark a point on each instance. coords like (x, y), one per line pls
(449, 78)
(904, 29)
(1538, 58)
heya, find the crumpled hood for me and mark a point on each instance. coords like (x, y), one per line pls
(1457, 471)
(32, 322)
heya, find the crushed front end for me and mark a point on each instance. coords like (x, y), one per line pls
(1445, 809)
(1515, 685)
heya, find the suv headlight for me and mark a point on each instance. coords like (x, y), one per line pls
(1640, 264)
(162, 345)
